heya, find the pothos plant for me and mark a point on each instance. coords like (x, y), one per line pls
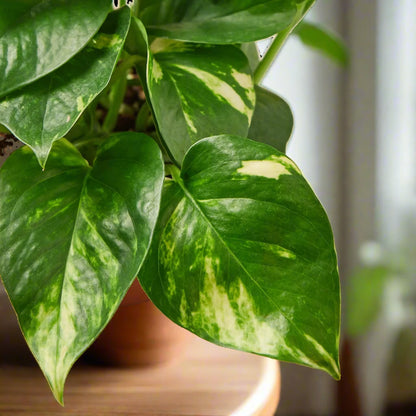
(153, 153)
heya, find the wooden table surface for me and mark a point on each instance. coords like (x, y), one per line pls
(207, 380)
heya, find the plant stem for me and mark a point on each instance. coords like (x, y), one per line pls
(121, 70)
(135, 7)
(268, 59)
(142, 119)
(85, 141)
(116, 98)
(175, 172)
(91, 118)
(280, 39)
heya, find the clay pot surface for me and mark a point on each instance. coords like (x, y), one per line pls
(139, 335)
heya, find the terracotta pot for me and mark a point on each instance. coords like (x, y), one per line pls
(139, 334)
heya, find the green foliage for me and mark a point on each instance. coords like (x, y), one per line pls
(80, 234)
(46, 110)
(240, 252)
(227, 266)
(197, 91)
(217, 22)
(35, 42)
(272, 121)
(364, 297)
(324, 41)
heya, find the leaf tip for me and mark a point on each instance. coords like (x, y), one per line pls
(42, 156)
(56, 377)
(336, 372)
(57, 388)
(333, 368)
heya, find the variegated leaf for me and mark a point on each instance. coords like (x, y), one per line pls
(44, 37)
(45, 110)
(272, 121)
(219, 22)
(243, 255)
(72, 239)
(198, 91)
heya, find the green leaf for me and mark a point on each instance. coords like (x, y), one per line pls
(198, 91)
(149, 273)
(72, 239)
(10, 11)
(272, 120)
(45, 110)
(45, 37)
(324, 41)
(364, 298)
(243, 255)
(220, 22)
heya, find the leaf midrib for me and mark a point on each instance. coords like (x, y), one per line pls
(300, 333)
(58, 327)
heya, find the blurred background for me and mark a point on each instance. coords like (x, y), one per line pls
(354, 139)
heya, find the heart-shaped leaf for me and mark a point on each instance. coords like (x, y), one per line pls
(272, 121)
(220, 22)
(198, 91)
(72, 239)
(45, 110)
(243, 255)
(45, 37)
